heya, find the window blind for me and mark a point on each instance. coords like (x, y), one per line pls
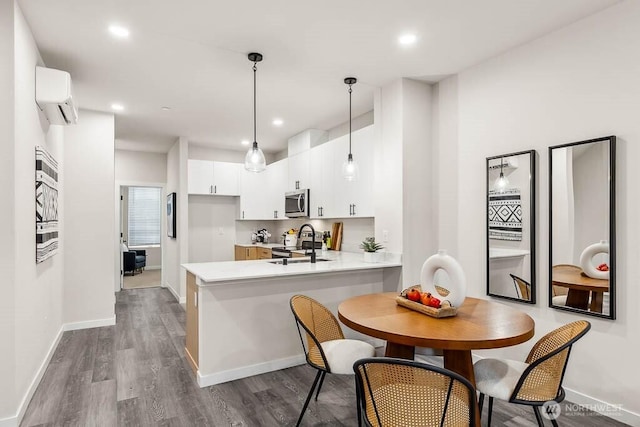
(144, 216)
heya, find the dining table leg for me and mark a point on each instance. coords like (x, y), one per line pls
(596, 302)
(461, 362)
(399, 351)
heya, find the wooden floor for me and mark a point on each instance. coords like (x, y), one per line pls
(135, 374)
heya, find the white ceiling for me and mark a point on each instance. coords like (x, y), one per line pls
(191, 56)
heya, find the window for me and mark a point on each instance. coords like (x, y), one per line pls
(144, 216)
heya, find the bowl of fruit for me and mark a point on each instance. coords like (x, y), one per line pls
(424, 302)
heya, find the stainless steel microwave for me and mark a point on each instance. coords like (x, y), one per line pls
(296, 203)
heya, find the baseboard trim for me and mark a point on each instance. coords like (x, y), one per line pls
(615, 412)
(98, 323)
(249, 371)
(153, 267)
(182, 300)
(22, 408)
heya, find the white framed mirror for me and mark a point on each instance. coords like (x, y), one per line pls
(511, 225)
(582, 227)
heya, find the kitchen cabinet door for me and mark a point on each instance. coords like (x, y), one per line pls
(354, 198)
(200, 177)
(321, 180)
(252, 194)
(277, 186)
(299, 171)
(225, 178)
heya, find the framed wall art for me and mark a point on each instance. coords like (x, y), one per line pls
(46, 205)
(171, 215)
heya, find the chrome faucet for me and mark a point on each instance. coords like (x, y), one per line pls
(313, 241)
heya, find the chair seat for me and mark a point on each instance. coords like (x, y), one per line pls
(498, 378)
(342, 354)
(559, 300)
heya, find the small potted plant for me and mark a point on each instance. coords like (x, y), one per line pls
(370, 248)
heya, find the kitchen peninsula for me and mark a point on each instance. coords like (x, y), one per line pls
(239, 322)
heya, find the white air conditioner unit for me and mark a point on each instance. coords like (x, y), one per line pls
(54, 96)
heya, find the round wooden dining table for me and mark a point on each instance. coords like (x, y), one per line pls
(479, 324)
(580, 287)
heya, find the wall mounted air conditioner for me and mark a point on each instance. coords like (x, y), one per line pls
(54, 96)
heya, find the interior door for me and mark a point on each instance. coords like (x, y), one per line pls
(121, 238)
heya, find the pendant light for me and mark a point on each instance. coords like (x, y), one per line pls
(254, 161)
(350, 167)
(501, 183)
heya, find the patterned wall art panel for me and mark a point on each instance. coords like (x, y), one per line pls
(46, 205)
(505, 215)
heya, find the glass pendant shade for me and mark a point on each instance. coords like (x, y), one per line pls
(501, 183)
(350, 169)
(254, 161)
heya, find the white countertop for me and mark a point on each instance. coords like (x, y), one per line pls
(212, 273)
(495, 253)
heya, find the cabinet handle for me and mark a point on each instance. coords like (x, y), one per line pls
(354, 209)
(211, 189)
(275, 214)
(215, 189)
(247, 254)
(242, 214)
(321, 210)
(297, 185)
(350, 210)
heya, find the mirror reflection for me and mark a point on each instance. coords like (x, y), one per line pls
(581, 252)
(511, 226)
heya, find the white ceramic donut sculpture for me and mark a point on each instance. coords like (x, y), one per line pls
(586, 260)
(458, 283)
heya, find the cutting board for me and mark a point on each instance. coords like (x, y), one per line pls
(336, 236)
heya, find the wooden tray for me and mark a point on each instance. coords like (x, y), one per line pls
(444, 311)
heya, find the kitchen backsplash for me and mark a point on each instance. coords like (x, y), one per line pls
(354, 230)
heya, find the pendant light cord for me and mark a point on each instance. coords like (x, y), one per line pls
(255, 68)
(350, 157)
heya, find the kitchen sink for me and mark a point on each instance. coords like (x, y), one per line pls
(296, 261)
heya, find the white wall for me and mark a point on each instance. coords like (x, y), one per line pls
(212, 228)
(578, 83)
(176, 250)
(37, 287)
(8, 395)
(171, 261)
(139, 167)
(89, 221)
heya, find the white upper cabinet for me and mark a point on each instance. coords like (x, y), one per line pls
(277, 182)
(322, 178)
(262, 194)
(218, 178)
(252, 194)
(299, 174)
(200, 177)
(354, 198)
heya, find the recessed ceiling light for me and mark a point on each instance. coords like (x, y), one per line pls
(407, 39)
(119, 31)
(277, 122)
(117, 107)
(165, 108)
(245, 142)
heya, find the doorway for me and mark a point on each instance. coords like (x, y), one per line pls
(140, 236)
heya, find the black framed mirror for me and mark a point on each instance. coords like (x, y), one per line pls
(511, 225)
(582, 190)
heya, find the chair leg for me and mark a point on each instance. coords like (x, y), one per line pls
(358, 406)
(480, 403)
(320, 385)
(306, 402)
(490, 411)
(536, 410)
